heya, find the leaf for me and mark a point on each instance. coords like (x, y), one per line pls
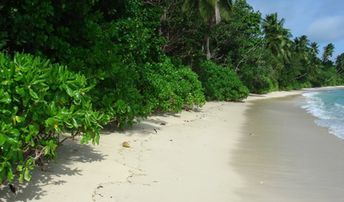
(2, 139)
(33, 94)
(20, 91)
(19, 119)
(28, 138)
(27, 175)
(50, 148)
(20, 168)
(5, 97)
(50, 122)
(33, 129)
(21, 178)
(10, 175)
(96, 139)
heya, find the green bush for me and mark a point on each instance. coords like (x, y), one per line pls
(40, 102)
(258, 83)
(171, 89)
(114, 58)
(221, 83)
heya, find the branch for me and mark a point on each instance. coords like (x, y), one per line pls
(243, 59)
(70, 137)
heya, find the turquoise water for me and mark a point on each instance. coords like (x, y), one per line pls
(328, 107)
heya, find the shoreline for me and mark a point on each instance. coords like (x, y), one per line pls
(179, 157)
(288, 157)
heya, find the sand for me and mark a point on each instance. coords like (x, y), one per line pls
(190, 156)
(287, 157)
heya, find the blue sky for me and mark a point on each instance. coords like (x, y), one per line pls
(321, 20)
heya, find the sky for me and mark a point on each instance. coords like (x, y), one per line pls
(321, 20)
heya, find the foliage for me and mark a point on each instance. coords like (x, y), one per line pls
(276, 36)
(168, 88)
(206, 9)
(40, 102)
(236, 39)
(328, 52)
(221, 83)
(258, 80)
(340, 64)
(184, 32)
(239, 42)
(129, 59)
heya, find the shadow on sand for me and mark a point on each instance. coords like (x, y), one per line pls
(69, 153)
(72, 152)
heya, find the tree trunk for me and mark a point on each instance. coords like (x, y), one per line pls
(208, 47)
(163, 18)
(217, 12)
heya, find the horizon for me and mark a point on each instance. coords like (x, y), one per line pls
(322, 22)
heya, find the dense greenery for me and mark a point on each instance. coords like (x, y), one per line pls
(125, 59)
(221, 83)
(39, 102)
(259, 49)
(169, 88)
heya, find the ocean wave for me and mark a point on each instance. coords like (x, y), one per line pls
(339, 106)
(327, 108)
(315, 106)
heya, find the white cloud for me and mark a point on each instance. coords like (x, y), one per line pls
(327, 29)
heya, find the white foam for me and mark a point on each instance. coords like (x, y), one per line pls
(329, 115)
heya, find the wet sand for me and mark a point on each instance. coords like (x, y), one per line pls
(285, 156)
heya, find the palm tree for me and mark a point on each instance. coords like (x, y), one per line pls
(314, 48)
(302, 51)
(328, 52)
(314, 51)
(340, 63)
(277, 37)
(211, 11)
(301, 45)
(222, 9)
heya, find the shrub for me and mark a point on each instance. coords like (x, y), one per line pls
(258, 83)
(114, 57)
(40, 102)
(221, 83)
(171, 89)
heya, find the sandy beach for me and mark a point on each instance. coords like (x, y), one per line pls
(223, 152)
(287, 157)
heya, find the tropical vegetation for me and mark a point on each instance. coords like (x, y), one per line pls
(68, 68)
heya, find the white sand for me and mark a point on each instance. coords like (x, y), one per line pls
(184, 157)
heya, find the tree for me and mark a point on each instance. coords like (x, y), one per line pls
(277, 37)
(328, 52)
(301, 45)
(340, 64)
(211, 11)
(236, 39)
(314, 48)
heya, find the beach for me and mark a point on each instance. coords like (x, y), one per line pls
(260, 150)
(287, 157)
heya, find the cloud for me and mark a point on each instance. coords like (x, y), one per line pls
(327, 29)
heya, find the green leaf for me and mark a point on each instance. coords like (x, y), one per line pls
(20, 168)
(21, 178)
(27, 175)
(10, 175)
(33, 94)
(19, 119)
(2, 139)
(5, 97)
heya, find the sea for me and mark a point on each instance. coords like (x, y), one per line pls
(328, 108)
